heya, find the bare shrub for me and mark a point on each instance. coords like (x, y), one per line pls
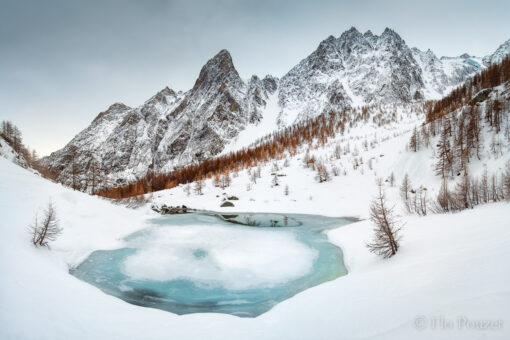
(322, 173)
(47, 229)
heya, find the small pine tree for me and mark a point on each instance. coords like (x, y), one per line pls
(405, 188)
(275, 181)
(187, 189)
(484, 186)
(444, 153)
(387, 227)
(225, 180)
(506, 180)
(494, 188)
(444, 199)
(217, 180)
(414, 143)
(322, 173)
(463, 193)
(95, 175)
(199, 186)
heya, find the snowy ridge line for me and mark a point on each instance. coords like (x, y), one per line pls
(223, 112)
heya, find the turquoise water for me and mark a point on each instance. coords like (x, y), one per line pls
(239, 264)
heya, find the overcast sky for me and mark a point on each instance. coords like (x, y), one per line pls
(63, 62)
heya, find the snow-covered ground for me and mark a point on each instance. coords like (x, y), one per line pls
(7, 152)
(251, 133)
(450, 279)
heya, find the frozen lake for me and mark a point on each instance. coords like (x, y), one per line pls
(241, 264)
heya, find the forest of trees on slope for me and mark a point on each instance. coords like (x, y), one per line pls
(471, 123)
(320, 129)
(313, 132)
(13, 137)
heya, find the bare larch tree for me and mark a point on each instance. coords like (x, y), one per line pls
(48, 229)
(405, 188)
(387, 227)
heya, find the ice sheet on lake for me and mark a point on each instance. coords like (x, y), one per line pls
(231, 258)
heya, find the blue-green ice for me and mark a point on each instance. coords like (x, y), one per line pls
(240, 264)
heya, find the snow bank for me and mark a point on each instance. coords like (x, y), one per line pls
(449, 266)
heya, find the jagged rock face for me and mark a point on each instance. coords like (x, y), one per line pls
(441, 75)
(502, 51)
(170, 129)
(350, 70)
(218, 107)
(175, 129)
(360, 69)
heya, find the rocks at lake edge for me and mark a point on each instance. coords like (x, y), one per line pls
(170, 210)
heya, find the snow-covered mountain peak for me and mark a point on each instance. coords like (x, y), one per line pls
(353, 69)
(170, 129)
(440, 75)
(368, 34)
(428, 53)
(502, 51)
(114, 109)
(270, 83)
(218, 69)
(118, 106)
(175, 129)
(164, 97)
(351, 34)
(328, 41)
(391, 36)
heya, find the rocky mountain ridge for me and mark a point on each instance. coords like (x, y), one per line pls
(173, 129)
(169, 130)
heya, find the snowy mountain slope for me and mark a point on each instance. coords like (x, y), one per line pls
(215, 110)
(252, 133)
(359, 69)
(347, 194)
(496, 57)
(440, 76)
(223, 113)
(170, 129)
(7, 152)
(375, 300)
(365, 151)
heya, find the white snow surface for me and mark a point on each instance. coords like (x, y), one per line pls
(239, 258)
(258, 130)
(7, 152)
(450, 267)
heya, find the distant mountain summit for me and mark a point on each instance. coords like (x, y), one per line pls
(173, 129)
(496, 57)
(170, 129)
(359, 69)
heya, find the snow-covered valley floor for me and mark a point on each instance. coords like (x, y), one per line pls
(450, 279)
